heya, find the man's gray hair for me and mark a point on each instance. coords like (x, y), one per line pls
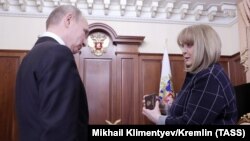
(58, 13)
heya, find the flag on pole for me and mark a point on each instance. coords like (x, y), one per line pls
(166, 92)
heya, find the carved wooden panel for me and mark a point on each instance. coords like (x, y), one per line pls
(110, 74)
(237, 73)
(98, 74)
(224, 62)
(9, 62)
(127, 88)
(177, 70)
(149, 79)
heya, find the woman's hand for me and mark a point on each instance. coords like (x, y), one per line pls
(152, 115)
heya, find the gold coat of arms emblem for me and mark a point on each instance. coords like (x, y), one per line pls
(98, 42)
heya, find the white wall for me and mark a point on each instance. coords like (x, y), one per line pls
(20, 33)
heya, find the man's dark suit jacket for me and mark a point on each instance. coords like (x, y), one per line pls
(50, 97)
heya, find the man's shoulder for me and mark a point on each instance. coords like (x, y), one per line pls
(50, 47)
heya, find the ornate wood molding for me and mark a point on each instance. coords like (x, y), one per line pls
(116, 39)
(128, 44)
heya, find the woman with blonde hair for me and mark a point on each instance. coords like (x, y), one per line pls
(207, 95)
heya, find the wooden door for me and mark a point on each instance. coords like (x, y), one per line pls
(99, 77)
(108, 67)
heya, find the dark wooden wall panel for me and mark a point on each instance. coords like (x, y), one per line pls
(237, 73)
(8, 68)
(9, 62)
(98, 75)
(224, 61)
(127, 90)
(127, 87)
(177, 70)
(149, 79)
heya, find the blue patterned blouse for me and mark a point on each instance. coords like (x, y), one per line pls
(206, 98)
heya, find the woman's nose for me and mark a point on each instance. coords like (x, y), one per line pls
(184, 49)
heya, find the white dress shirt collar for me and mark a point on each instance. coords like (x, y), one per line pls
(54, 36)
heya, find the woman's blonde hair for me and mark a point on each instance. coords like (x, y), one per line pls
(206, 46)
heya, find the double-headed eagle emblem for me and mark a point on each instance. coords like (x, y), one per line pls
(98, 42)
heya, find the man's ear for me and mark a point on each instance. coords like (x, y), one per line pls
(68, 20)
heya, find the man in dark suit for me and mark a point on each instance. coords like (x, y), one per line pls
(51, 100)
